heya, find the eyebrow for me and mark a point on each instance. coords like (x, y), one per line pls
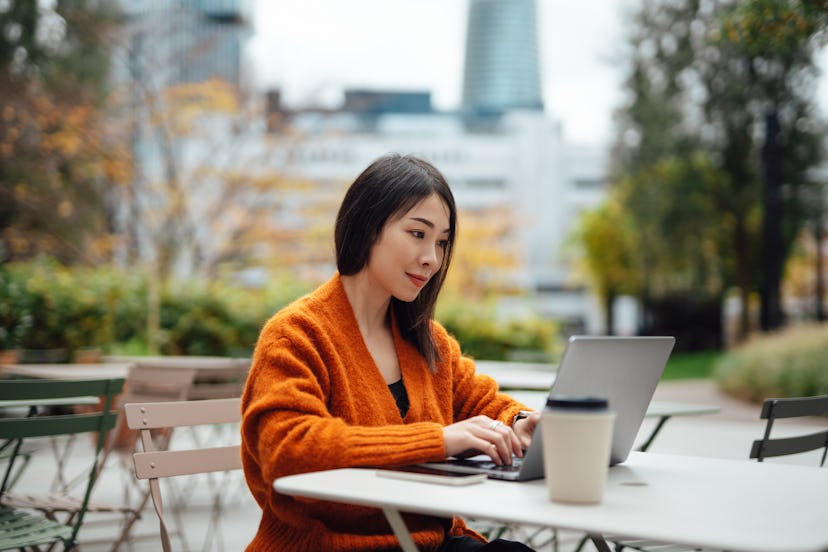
(428, 223)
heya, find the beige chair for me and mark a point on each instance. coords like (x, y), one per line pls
(221, 380)
(154, 464)
(216, 377)
(143, 384)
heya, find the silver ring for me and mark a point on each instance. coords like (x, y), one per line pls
(495, 424)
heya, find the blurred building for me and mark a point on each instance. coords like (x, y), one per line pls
(183, 41)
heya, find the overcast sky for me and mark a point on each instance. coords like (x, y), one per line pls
(312, 49)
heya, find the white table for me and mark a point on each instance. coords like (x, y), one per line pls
(530, 376)
(722, 504)
(216, 377)
(200, 362)
(67, 371)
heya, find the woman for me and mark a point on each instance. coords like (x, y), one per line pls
(358, 374)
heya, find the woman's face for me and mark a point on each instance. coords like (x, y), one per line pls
(410, 249)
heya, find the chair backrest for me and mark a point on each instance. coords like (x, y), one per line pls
(157, 384)
(773, 409)
(216, 377)
(148, 384)
(51, 422)
(153, 464)
(220, 381)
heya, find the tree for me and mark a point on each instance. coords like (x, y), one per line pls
(607, 254)
(486, 256)
(775, 40)
(688, 146)
(56, 159)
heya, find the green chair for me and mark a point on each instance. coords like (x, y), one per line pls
(20, 527)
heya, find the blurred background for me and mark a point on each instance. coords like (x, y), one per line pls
(170, 170)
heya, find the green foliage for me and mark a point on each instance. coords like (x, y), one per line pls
(790, 363)
(680, 231)
(606, 253)
(15, 312)
(44, 305)
(695, 365)
(608, 250)
(199, 318)
(50, 311)
(686, 166)
(483, 335)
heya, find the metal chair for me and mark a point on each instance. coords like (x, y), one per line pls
(143, 384)
(222, 381)
(774, 409)
(154, 464)
(216, 377)
(23, 527)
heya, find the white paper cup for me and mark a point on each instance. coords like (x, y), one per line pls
(576, 451)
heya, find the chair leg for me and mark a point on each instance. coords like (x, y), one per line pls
(581, 543)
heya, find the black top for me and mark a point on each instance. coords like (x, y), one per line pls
(400, 396)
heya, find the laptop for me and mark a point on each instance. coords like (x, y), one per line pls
(625, 370)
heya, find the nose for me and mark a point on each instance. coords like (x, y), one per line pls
(429, 256)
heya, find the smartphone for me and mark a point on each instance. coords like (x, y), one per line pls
(429, 475)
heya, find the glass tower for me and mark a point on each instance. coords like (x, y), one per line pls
(502, 62)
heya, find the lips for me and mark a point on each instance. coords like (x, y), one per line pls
(417, 280)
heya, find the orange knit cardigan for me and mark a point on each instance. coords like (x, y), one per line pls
(315, 400)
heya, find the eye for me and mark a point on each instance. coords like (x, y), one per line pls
(419, 234)
(442, 244)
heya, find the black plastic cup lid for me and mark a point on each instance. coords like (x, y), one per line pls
(576, 402)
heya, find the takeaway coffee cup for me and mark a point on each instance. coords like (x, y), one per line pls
(576, 434)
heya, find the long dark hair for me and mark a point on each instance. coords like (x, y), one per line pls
(392, 185)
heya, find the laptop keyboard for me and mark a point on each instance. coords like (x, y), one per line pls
(489, 465)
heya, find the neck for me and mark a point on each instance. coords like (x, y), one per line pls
(369, 305)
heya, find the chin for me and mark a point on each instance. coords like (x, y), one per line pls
(407, 297)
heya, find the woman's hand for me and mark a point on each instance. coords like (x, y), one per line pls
(525, 428)
(482, 435)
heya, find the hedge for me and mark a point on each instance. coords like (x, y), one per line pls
(790, 363)
(44, 305)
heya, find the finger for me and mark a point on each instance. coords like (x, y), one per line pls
(517, 443)
(501, 437)
(511, 439)
(485, 444)
(525, 441)
(526, 429)
(499, 454)
(534, 421)
(488, 423)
